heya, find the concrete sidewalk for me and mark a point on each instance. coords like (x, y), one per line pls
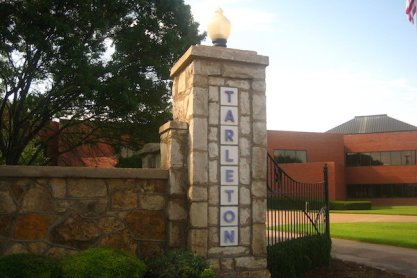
(395, 259)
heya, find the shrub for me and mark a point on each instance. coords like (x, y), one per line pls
(103, 262)
(294, 204)
(350, 205)
(134, 161)
(182, 264)
(28, 266)
(290, 259)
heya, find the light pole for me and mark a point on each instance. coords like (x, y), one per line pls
(219, 29)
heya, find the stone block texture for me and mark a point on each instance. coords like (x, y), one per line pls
(198, 77)
(174, 137)
(57, 216)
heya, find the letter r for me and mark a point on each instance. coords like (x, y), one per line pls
(228, 135)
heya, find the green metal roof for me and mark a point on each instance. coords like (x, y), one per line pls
(372, 124)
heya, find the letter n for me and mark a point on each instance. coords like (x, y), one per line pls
(229, 236)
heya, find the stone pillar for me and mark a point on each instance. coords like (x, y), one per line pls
(173, 149)
(220, 94)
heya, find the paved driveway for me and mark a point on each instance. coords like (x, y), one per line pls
(396, 259)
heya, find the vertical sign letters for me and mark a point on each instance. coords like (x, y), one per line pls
(229, 167)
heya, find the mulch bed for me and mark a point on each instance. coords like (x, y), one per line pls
(343, 269)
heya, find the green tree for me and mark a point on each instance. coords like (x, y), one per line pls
(102, 64)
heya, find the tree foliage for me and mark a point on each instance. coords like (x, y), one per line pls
(103, 63)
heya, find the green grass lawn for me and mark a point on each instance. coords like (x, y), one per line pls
(392, 210)
(388, 233)
(398, 234)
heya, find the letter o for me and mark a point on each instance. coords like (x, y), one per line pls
(229, 216)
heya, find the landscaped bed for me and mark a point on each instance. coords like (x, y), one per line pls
(107, 263)
(342, 269)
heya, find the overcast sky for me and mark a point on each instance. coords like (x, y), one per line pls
(329, 60)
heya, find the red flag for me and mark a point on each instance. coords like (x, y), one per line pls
(411, 9)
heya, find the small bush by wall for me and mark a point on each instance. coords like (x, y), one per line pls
(103, 262)
(181, 264)
(350, 205)
(290, 259)
(28, 266)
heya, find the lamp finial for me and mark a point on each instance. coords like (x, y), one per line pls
(219, 29)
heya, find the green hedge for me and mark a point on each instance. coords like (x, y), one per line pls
(290, 259)
(105, 262)
(134, 161)
(179, 264)
(294, 204)
(102, 263)
(28, 266)
(350, 205)
(300, 204)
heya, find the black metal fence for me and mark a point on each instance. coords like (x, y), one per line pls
(295, 209)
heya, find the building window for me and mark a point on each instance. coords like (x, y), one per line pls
(375, 158)
(358, 191)
(290, 156)
(408, 157)
(395, 158)
(366, 159)
(385, 158)
(353, 159)
(381, 158)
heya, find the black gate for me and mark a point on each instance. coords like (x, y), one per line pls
(295, 209)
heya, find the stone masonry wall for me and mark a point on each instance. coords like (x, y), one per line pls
(198, 78)
(57, 211)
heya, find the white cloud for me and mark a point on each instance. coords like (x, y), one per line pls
(242, 16)
(305, 97)
(323, 100)
(248, 20)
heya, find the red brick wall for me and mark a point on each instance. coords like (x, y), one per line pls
(340, 184)
(305, 172)
(313, 172)
(321, 148)
(394, 141)
(381, 174)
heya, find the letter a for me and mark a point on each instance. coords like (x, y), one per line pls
(229, 116)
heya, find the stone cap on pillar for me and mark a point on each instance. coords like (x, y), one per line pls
(218, 53)
(172, 125)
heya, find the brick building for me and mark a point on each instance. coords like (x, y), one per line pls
(369, 158)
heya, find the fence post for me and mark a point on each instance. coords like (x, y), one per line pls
(326, 197)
